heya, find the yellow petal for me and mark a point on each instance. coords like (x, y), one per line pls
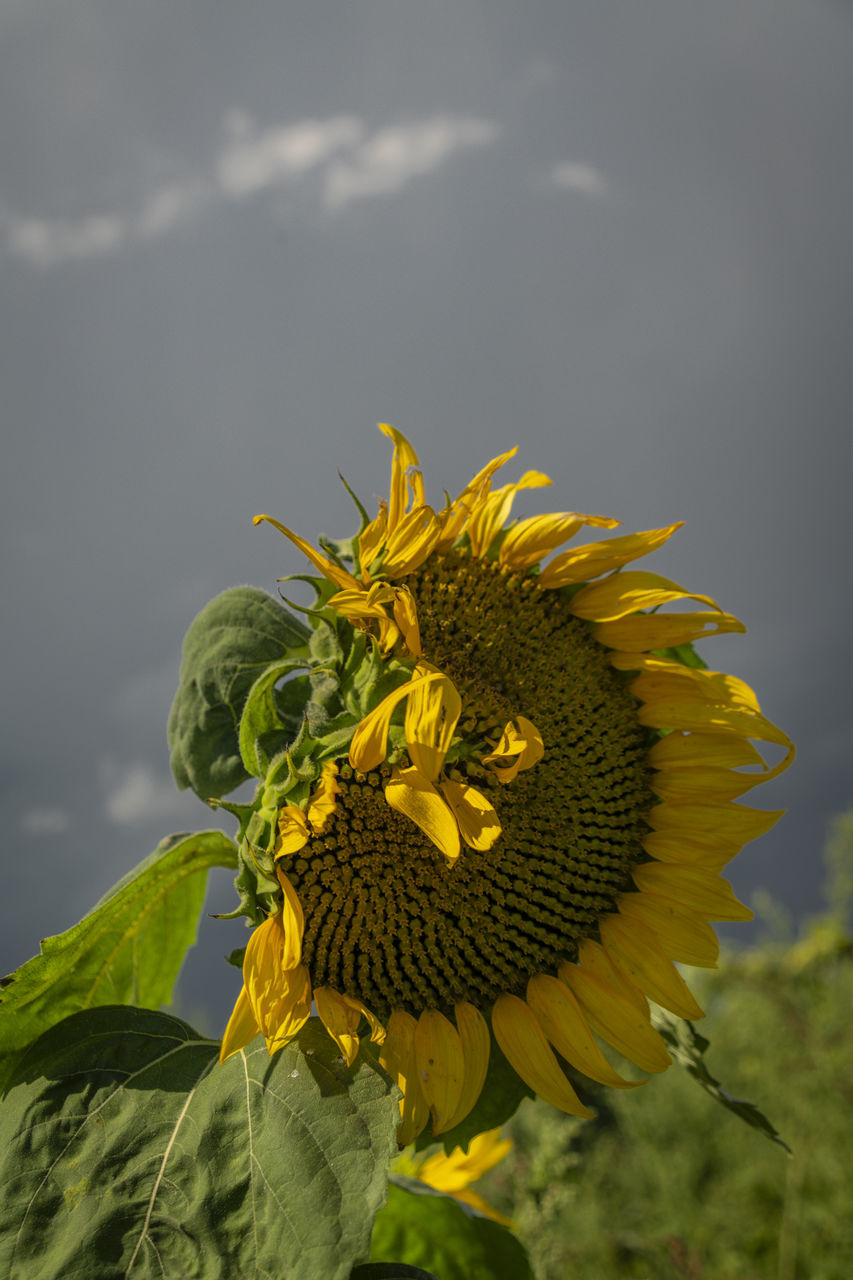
(341, 1019)
(242, 1027)
(369, 742)
(689, 750)
(702, 891)
(292, 923)
(413, 795)
(520, 747)
(579, 564)
(332, 571)
(491, 513)
(406, 618)
(592, 958)
(634, 947)
(432, 713)
(325, 796)
(363, 604)
(291, 1013)
(642, 631)
(702, 785)
(459, 512)
(397, 1057)
(627, 592)
(525, 1047)
(453, 1173)
(695, 849)
(682, 935)
(372, 538)
(563, 1022)
(724, 821)
(441, 1066)
(477, 820)
(530, 540)
(292, 831)
(617, 1020)
(476, 1045)
(404, 457)
(411, 542)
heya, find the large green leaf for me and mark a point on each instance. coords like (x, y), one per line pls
(436, 1232)
(128, 950)
(227, 647)
(125, 1151)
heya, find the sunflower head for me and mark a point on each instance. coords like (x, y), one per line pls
(503, 819)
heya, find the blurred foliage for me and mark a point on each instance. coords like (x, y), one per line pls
(664, 1185)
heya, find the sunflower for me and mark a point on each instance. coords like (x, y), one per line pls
(527, 832)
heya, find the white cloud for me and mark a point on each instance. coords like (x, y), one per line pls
(44, 242)
(138, 793)
(354, 164)
(44, 822)
(579, 177)
(390, 158)
(251, 162)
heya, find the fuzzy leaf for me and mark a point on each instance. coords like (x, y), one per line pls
(688, 1048)
(128, 949)
(228, 645)
(426, 1229)
(126, 1151)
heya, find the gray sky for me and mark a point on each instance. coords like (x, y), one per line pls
(234, 238)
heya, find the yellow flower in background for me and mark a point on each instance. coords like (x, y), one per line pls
(454, 1173)
(542, 840)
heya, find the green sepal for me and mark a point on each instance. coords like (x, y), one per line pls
(236, 957)
(262, 733)
(688, 1049)
(425, 1228)
(126, 1150)
(234, 639)
(502, 1094)
(128, 949)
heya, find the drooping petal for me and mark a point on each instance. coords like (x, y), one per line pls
(293, 832)
(530, 540)
(592, 958)
(476, 1045)
(242, 1027)
(292, 923)
(397, 1057)
(441, 1066)
(328, 568)
(372, 538)
(634, 947)
(287, 1018)
(702, 891)
(475, 815)
(643, 631)
(627, 592)
(525, 1047)
(324, 799)
(564, 1024)
(413, 795)
(411, 542)
(341, 1019)
(520, 747)
(406, 618)
(432, 713)
(368, 746)
(453, 1173)
(579, 564)
(364, 604)
(617, 1020)
(492, 511)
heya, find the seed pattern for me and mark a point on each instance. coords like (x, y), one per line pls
(386, 919)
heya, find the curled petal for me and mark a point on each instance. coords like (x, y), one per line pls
(292, 923)
(340, 1017)
(642, 631)
(372, 539)
(404, 457)
(242, 1027)
(478, 823)
(432, 713)
(413, 795)
(459, 512)
(325, 796)
(627, 592)
(491, 512)
(332, 571)
(520, 747)
(288, 1016)
(397, 1057)
(369, 742)
(530, 540)
(293, 832)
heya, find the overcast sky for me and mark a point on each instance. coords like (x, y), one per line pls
(233, 238)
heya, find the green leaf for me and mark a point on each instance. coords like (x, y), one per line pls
(262, 733)
(426, 1229)
(228, 645)
(128, 1152)
(502, 1094)
(390, 1271)
(128, 949)
(688, 1048)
